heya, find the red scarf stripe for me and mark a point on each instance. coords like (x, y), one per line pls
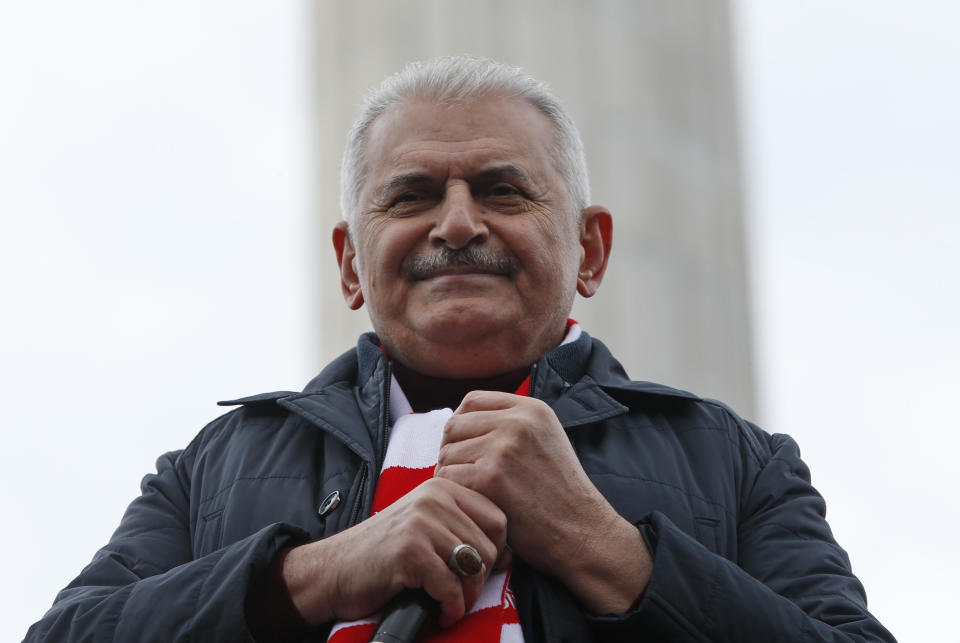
(395, 483)
(360, 633)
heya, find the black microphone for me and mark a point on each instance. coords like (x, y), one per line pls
(404, 616)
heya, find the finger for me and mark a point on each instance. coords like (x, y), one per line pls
(505, 559)
(442, 514)
(464, 474)
(458, 605)
(447, 589)
(488, 551)
(450, 514)
(468, 475)
(472, 586)
(455, 593)
(464, 451)
(433, 514)
(489, 521)
(429, 569)
(475, 424)
(487, 401)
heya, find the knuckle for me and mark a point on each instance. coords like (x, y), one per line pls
(408, 550)
(472, 396)
(490, 477)
(432, 492)
(422, 519)
(506, 447)
(489, 554)
(539, 407)
(450, 425)
(525, 431)
(500, 525)
(442, 488)
(443, 457)
(471, 399)
(427, 488)
(416, 521)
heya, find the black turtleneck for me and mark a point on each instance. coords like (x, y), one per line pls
(426, 393)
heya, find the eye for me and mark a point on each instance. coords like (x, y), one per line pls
(407, 197)
(410, 203)
(405, 202)
(504, 190)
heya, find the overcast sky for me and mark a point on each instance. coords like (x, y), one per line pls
(851, 138)
(154, 181)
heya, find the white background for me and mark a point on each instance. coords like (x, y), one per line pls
(157, 253)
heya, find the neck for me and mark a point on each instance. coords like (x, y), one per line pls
(426, 393)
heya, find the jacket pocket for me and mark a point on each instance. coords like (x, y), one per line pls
(209, 534)
(705, 531)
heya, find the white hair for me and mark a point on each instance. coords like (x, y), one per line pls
(452, 79)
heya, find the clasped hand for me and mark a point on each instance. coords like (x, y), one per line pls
(506, 475)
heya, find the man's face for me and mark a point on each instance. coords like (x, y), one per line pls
(466, 249)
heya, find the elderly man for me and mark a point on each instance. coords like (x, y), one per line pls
(479, 446)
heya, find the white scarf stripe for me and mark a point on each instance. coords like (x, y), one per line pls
(415, 440)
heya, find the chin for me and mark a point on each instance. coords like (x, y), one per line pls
(464, 328)
(466, 338)
(463, 345)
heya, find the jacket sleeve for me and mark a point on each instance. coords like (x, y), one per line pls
(145, 585)
(792, 581)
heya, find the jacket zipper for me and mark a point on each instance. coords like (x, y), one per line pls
(385, 415)
(354, 517)
(378, 457)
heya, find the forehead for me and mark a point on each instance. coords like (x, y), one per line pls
(460, 139)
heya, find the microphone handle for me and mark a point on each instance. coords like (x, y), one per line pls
(404, 616)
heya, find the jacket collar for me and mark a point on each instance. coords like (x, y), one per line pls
(343, 400)
(584, 383)
(581, 381)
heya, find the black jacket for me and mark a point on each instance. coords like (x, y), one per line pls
(741, 548)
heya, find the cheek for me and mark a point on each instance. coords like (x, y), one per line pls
(557, 253)
(379, 260)
(368, 269)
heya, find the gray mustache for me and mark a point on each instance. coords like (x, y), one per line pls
(424, 266)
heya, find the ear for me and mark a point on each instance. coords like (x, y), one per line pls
(596, 239)
(347, 260)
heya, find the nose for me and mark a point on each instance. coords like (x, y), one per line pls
(460, 219)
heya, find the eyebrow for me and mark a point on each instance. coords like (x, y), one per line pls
(402, 181)
(504, 172)
(484, 176)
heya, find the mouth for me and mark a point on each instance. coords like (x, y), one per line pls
(456, 271)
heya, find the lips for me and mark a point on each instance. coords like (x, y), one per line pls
(461, 270)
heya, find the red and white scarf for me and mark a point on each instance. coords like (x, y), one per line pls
(410, 460)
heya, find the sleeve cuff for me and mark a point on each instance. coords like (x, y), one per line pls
(269, 609)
